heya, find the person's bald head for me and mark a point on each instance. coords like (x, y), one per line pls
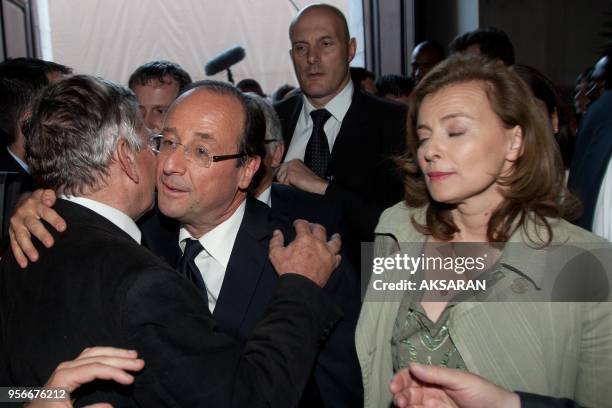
(321, 52)
(425, 56)
(326, 9)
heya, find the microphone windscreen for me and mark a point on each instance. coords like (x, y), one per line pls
(224, 60)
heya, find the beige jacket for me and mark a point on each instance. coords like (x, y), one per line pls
(557, 349)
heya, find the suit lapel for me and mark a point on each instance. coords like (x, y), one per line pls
(246, 265)
(289, 122)
(348, 141)
(352, 121)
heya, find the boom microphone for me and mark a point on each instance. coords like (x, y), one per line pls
(224, 60)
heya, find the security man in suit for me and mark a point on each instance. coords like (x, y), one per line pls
(340, 140)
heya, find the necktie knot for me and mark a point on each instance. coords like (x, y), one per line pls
(319, 117)
(192, 249)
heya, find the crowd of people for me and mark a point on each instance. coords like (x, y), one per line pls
(201, 244)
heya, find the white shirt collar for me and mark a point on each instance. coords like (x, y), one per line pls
(338, 106)
(219, 241)
(266, 196)
(23, 164)
(119, 218)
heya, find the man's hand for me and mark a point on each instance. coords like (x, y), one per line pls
(309, 255)
(25, 222)
(97, 363)
(430, 386)
(295, 173)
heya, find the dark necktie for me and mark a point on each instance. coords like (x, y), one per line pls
(188, 268)
(317, 154)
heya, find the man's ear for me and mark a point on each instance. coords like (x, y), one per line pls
(248, 171)
(277, 156)
(515, 148)
(352, 49)
(127, 160)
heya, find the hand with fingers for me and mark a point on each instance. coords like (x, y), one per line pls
(96, 363)
(26, 221)
(420, 386)
(310, 254)
(296, 174)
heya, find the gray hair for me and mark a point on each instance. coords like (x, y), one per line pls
(274, 131)
(74, 130)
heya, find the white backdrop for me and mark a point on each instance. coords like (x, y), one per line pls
(110, 38)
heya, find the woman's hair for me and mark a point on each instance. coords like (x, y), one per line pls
(533, 189)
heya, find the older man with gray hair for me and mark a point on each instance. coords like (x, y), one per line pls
(97, 285)
(287, 201)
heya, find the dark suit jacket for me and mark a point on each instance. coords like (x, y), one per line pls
(97, 286)
(591, 155)
(538, 401)
(364, 179)
(14, 181)
(291, 203)
(250, 280)
(8, 162)
(160, 235)
(247, 291)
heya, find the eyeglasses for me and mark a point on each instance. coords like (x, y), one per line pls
(198, 154)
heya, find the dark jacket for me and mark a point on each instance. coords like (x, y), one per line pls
(97, 286)
(364, 180)
(591, 156)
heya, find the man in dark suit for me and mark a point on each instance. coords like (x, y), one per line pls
(591, 170)
(339, 139)
(16, 95)
(21, 79)
(17, 90)
(213, 207)
(97, 285)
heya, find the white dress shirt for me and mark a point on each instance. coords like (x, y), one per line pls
(266, 196)
(338, 107)
(119, 218)
(218, 244)
(602, 219)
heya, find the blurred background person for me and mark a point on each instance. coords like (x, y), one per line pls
(425, 56)
(156, 85)
(591, 170)
(250, 85)
(490, 42)
(280, 93)
(551, 103)
(364, 79)
(21, 80)
(395, 87)
(581, 99)
(51, 70)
